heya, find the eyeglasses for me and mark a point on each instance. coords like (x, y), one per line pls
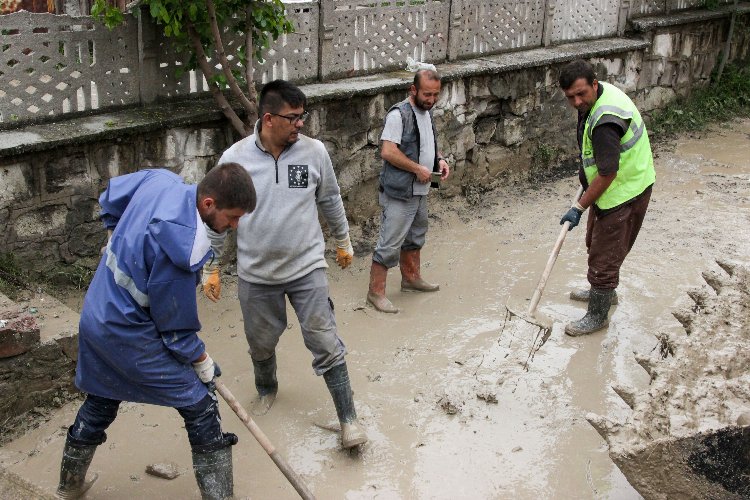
(294, 118)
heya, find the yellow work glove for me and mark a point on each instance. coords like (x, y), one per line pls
(211, 281)
(344, 252)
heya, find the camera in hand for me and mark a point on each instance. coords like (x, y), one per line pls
(435, 179)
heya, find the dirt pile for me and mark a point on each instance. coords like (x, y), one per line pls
(689, 435)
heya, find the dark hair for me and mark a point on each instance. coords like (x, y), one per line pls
(425, 74)
(230, 186)
(575, 70)
(275, 94)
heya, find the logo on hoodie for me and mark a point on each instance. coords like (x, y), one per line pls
(297, 176)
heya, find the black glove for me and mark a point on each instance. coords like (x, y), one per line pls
(573, 215)
(229, 439)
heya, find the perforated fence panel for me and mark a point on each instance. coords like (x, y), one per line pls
(291, 57)
(581, 19)
(52, 64)
(363, 37)
(641, 8)
(488, 27)
(674, 5)
(294, 56)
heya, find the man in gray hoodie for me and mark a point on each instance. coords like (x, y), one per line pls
(280, 249)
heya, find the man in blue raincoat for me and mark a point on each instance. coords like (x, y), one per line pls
(138, 331)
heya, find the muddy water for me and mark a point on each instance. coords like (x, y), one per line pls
(459, 402)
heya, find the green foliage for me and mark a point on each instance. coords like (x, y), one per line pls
(711, 4)
(67, 276)
(61, 277)
(268, 22)
(110, 16)
(717, 102)
(12, 277)
(543, 156)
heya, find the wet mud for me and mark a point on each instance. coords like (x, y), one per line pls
(689, 434)
(458, 400)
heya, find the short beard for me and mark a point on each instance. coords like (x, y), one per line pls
(420, 104)
(210, 221)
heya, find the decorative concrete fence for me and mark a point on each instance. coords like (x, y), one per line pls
(60, 64)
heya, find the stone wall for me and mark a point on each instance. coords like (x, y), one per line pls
(500, 119)
(48, 199)
(38, 353)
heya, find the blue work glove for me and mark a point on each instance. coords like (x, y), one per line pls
(573, 215)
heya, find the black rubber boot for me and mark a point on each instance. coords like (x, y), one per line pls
(597, 316)
(582, 295)
(213, 472)
(75, 463)
(337, 380)
(266, 384)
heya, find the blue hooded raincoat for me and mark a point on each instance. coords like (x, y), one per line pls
(139, 323)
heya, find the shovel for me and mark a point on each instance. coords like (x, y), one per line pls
(258, 434)
(532, 316)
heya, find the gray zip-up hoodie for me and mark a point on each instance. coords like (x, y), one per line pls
(282, 240)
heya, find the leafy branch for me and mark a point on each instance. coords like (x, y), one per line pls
(200, 27)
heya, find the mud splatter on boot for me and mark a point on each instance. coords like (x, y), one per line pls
(75, 463)
(337, 380)
(597, 316)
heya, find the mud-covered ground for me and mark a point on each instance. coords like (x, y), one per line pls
(457, 401)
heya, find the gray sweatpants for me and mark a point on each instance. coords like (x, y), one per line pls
(264, 312)
(403, 226)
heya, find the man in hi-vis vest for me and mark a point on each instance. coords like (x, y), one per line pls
(617, 174)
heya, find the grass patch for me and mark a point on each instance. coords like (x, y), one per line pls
(728, 99)
(12, 277)
(60, 278)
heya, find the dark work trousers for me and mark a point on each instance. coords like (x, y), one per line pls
(202, 423)
(609, 239)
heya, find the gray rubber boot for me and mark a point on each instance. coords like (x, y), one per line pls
(582, 295)
(266, 384)
(213, 472)
(75, 463)
(597, 316)
(337, 380)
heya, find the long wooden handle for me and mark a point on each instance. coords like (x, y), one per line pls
(551, 261)
(258, 434)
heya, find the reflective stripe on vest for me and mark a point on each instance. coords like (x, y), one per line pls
(636, 166)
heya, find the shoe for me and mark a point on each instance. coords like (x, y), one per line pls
(597, 315)
(75, 463)
(213, 473)
(376, 293)
(411, 279)
(266, 384)
(582, 295)
(337, 380)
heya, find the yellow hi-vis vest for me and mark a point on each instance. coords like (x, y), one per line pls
(636, 170)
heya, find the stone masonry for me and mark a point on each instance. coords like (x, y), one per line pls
(495, 114)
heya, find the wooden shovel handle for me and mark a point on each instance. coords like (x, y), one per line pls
(551, 261)
(260, 436)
